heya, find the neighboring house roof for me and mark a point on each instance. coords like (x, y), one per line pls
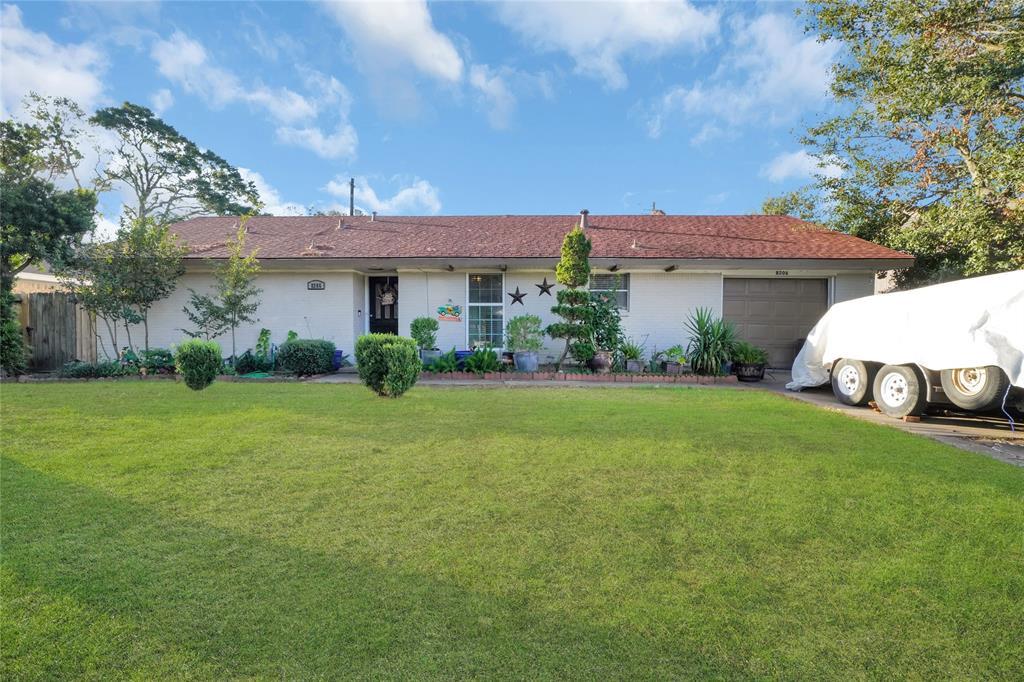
(508, 237)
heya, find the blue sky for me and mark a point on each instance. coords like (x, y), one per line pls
(449, 107)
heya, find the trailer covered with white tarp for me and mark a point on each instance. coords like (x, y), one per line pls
(974, 324)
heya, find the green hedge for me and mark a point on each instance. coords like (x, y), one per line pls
(306, 356)
(198, 362)
(95, 370)
(389, 365)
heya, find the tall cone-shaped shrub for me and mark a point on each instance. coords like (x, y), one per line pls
(574, 307)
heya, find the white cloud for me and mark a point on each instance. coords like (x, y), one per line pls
(161, 100)
(799, 164)
(598, 36)
(419, 196)
(186, 63)
(32, 61)
(394, 35)
(341, 144)
(771, 73)
(496, 97)
(271, 198)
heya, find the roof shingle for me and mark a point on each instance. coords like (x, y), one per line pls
(613, 236)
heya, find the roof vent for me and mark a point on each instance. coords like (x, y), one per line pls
(373, 216)
(583, 219)
(655, 210)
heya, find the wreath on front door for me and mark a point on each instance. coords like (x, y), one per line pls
(388, 295)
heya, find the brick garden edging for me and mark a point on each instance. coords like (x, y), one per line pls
(622, 378)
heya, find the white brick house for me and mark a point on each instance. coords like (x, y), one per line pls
(335, 278)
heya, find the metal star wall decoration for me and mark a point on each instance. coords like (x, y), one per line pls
(517, 297)
(545, 288)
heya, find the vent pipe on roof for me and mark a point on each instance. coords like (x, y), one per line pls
(373, 216)
(583, 219)
(351, 197)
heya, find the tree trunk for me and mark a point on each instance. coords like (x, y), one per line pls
(561, 358)
(128, 331)
(234, 358)
(145, 329)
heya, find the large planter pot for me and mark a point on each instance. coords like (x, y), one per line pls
(635, 365)
(748, 371)
(527, 360)
(601, 363)
(430, 356)
(672, 367)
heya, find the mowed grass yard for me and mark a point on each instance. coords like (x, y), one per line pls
(295, 531)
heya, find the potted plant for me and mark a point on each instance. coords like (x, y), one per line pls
(633, 354)
(424, 332)
(711, 342)
(607, 328)
(748, 361)
(674, 360)
(524, 339)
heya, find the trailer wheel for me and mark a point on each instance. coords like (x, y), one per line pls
(899, 391)
(975, 388)
(851, 381)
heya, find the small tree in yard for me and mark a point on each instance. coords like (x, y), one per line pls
(148, 258)
(237, 298)
(574, 304)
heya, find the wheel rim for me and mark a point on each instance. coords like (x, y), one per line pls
(849, 380)
(894, 389)
(970, 380)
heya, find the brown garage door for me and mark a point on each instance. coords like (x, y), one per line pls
(775, 313)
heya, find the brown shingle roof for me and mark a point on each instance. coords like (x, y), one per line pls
(613, 236)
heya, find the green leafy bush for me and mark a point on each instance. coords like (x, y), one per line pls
(607, 322)
(198, 362)
(483, 360)
(423, 330)
(446, 364)
(306, 356)
(157, 361)
(389, 365)
(749, 354)
(631, 350)
(249, 362)
(711, 342)
(12, 348)
(95, 370)
(524, 334)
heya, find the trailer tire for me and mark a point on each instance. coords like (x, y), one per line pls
(900, 391)
(975, 388)
(852, 381)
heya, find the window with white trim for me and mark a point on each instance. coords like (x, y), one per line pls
(486, 310)
(614, 285)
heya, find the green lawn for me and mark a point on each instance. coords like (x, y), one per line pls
(301, 531)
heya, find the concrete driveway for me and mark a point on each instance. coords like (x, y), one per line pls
(987, 434)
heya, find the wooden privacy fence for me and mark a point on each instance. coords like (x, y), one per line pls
(57, 330)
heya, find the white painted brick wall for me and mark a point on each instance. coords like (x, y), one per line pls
(285, 304)
(849, 286)
(659, 303)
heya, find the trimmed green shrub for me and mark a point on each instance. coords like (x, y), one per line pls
(12, 348)
(524, 333)
(306, 356)
(483, 360)
(423, 330)
(389, 365)
(198, 362)
(157, 361)
(95, 370)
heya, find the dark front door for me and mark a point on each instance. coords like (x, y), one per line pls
(383, 305)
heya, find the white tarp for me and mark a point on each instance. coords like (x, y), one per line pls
(971, 323)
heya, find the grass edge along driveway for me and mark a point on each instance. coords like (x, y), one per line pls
(306, 531)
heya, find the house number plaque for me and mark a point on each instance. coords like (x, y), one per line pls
(316, 285)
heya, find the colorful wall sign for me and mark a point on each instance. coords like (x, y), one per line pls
(449, 312)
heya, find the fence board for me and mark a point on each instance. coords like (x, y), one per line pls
(58, 330)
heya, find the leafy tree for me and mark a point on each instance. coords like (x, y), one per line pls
(931, 135)
(170, 177)
(38, 221)
(574, 303)
(799, 204)
(236, 299)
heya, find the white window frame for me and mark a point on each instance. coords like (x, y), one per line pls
(625, 279)
(470, 305)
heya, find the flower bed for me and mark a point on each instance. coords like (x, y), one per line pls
(623, 378)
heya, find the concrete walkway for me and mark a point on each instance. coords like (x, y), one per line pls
(985, 434)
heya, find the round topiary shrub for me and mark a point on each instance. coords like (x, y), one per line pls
(306, 356)
(198, 362)
(389, 365)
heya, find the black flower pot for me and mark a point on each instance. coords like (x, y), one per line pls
(746, 371)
